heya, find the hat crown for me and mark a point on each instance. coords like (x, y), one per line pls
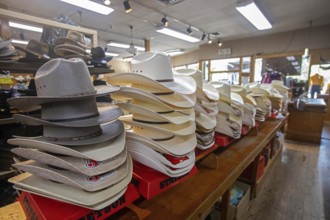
(197, 75)
(76, 36)
(156, 66)
(64, 78)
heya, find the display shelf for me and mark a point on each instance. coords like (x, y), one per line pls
(194, 197)
(6, 121)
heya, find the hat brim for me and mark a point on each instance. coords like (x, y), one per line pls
(75, 164)
(170, 128)
(178, 145)
(137, 146)
(71, 194)
(67, 41)
(210, 92)
(69, 49)
(100, 152)
(106, 114)
(30, 103)
(89, 183)
(205, 121)
(144, 114)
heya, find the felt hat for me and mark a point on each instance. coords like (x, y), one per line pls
(75, 84)
(79, 165)
(76, 113)
(89, 183)
(4, 43)
(73, 38)
(99, 152)
(63, 192)
(186, 128)
(37, 48)
(175, 145)
(144, 114)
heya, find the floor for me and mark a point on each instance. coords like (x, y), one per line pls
(297, 186)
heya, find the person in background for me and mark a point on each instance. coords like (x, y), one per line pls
(316, 82)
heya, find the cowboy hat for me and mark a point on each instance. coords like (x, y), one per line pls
(75, 84)
(141, 113)
(70, 194)
(98, 152)
(80, 165)
(76, 113)
(205, 140)
(186, 128)
(73, 38)
(223, 90)
(140, 147)
(205, 121)
(89, 183)
(176, 145)
(157, 66)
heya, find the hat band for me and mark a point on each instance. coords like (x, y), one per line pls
(95, 134)
(168, 112)
(151, 122)
(163, 139)
(74, 119)
(163, 93)
(165, 80)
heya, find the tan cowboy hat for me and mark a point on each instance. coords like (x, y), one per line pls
(73, 38)
(186, 128)
(89, 183)
(75, 84)
(99, 152)
(182, 161)
(77, 113)
(144, 114)
(80, 165)
(175, 145)
(70, 194)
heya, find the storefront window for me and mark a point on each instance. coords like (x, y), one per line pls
(231, 78)
(225, 65)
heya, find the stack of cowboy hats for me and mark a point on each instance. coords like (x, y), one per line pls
(81, 157)
(230, 105)
(71, 46)
(283, 90)
(250, 105)
(35, 51)
(7, 51)
(161, 127)
(206, 109)
(264, 104)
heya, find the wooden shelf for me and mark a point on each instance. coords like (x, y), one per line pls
(194, 197)
(6, 121)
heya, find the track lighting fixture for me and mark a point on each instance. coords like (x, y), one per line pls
(127, 6)
(107, 2)
(209, 40)
(203, 36)
(165, 21)
(219, 43)
(189, 31)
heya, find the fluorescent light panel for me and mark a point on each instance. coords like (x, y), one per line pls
(122, 45)
(177, 34)
(89, 5)
(252, 13)
(25, 27)
(14, 41)
(106, 53)
(174, 52)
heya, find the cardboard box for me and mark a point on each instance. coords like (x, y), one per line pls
(42, 208)
(150, 182)
(239, 212)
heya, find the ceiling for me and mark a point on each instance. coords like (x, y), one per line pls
(203, 15)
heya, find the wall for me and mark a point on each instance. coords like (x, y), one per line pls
(120, 66)
(292, 41)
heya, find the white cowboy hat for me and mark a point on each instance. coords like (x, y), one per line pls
(61, 80)
(80, 165)
(223, 90)
(89, 183)
(205, 140)
(98, 152)
(186, 128)
(207, 122)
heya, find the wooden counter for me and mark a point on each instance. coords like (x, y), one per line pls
(306, 125)
(193, 198)
(326, 98)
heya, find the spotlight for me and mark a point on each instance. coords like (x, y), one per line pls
(165, 21)
(127, 6)
(189, 31)
(203, 36)
(107, 2)
(219, 43)
(209, 40)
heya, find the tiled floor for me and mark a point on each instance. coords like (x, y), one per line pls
(297, 185)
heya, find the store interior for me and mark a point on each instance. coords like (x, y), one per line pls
(210, 116)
